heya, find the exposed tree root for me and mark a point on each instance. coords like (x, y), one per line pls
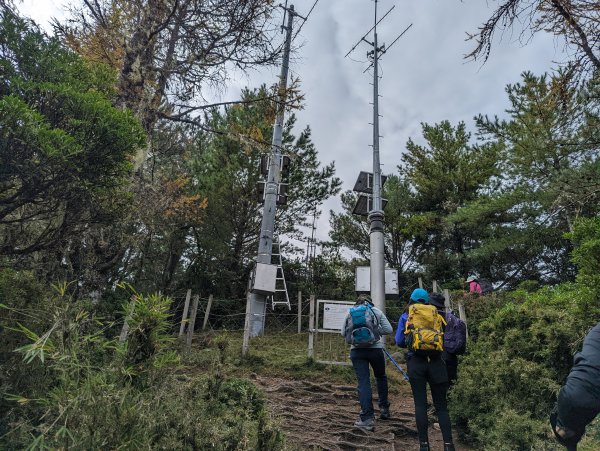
(321, 416)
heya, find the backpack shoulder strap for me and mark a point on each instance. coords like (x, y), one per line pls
(406, 322)
(443, 320)
(374, 315)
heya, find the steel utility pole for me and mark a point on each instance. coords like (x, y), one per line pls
(258, 302)
(375, 212)
(376, 215)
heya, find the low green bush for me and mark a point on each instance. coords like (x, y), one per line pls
(520, 356)
(79, 388)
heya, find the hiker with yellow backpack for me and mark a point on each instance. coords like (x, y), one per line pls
(421, 330)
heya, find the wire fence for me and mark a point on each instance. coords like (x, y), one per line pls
(214, 315)
(229, 313)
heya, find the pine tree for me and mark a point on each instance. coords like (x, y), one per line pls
(445, 175)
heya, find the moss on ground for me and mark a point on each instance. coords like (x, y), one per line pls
(277, 355)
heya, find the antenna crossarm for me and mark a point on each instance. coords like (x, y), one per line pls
(395, 40)
(367, 33)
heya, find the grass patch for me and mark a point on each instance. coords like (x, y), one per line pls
(278, 355)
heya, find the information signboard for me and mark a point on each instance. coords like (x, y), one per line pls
(334, 314)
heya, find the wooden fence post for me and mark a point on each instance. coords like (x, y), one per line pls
(186, 307)
(192, 322)
(299, 311)
(246, 340)
(311, 329)
(208, 306)
(463, 315)
(447, 305)
(125, 328)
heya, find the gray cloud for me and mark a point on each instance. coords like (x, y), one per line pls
(424, 76)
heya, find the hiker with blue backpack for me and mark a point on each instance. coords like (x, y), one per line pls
(455, 337)
(421, 330)
(363, 328)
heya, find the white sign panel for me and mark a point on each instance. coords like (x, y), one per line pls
(363, 280)
(335, 314)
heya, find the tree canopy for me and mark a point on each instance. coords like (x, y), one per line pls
(65, 151)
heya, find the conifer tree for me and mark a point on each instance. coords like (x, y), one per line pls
(226, 169)
(445, 175)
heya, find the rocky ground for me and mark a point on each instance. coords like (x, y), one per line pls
(321, 416)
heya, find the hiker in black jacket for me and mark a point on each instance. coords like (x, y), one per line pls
(579, 399)
(426, 370)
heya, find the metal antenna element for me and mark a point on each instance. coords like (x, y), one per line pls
(311, 248)
(396, 40)
(365, 35)
(285, 8)
(375, 212)
(383, 49)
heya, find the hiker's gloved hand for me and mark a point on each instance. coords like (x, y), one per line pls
(565, 436)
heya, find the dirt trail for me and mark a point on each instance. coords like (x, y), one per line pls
(321, 416)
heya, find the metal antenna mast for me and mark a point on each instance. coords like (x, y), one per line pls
(311, 248)
(376, 215)
(258, 302)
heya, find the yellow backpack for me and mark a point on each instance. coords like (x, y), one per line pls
(424, 329)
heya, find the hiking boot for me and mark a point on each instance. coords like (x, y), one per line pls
(367, 424)
(424, 446)
(384, 413)
(448, 446)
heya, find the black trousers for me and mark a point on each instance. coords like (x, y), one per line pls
(424, 370)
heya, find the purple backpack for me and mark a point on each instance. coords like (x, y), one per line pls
(455, 334)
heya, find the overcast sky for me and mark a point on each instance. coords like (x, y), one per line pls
(424, 76)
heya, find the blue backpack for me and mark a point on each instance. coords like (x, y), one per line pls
(455, 334)
(362, 330)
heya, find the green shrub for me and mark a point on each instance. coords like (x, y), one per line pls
(586, 255)
(97, 392)
(521, 355)
(20, 294)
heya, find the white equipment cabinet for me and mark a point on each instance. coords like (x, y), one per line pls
(363, 280)
(264, 279)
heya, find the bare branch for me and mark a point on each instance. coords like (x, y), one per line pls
(574, 20)
(584, 43)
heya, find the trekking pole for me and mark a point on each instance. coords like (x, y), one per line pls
(396, 364)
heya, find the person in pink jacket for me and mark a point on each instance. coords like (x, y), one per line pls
(474, 286)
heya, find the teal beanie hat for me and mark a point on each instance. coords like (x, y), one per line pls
(420, 295)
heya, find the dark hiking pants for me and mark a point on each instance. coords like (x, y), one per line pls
(430, 370)
(362, 358)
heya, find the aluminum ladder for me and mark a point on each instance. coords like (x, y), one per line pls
(280, 285)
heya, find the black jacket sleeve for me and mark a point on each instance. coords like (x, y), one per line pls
(579, 399)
